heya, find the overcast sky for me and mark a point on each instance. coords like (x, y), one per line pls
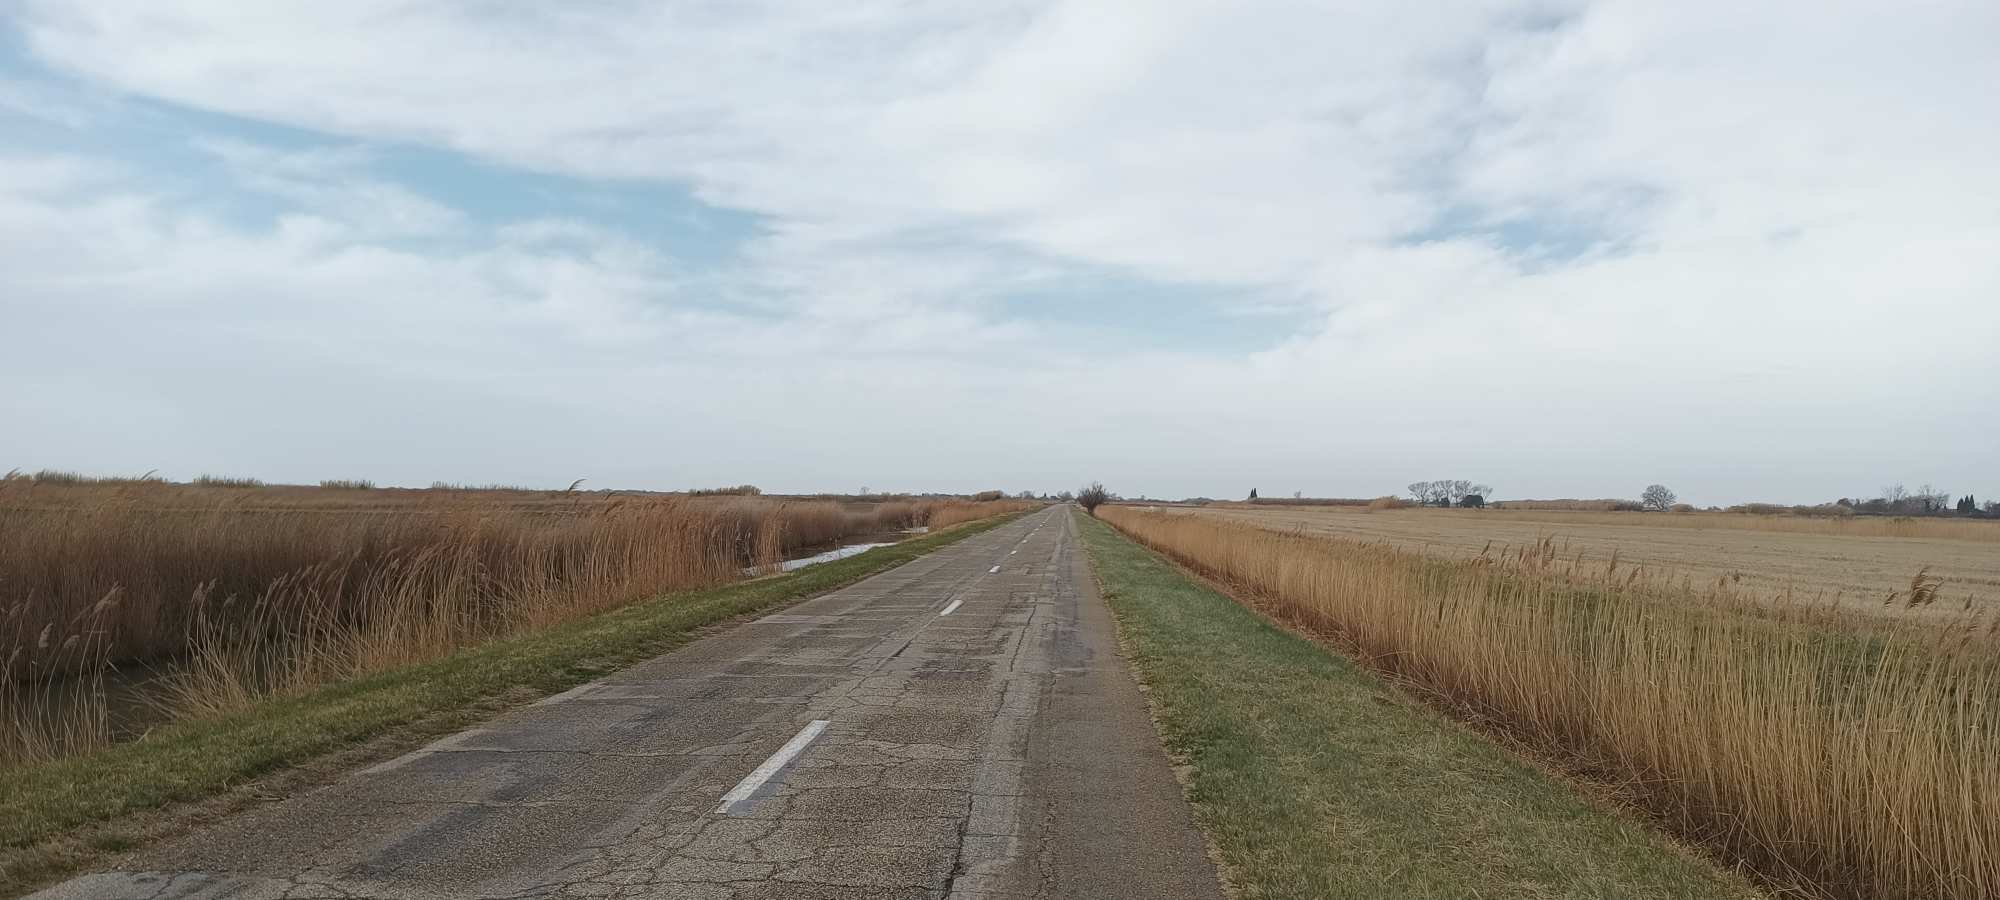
(1751, 250)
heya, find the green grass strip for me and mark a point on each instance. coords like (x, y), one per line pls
(1316, 779)
(197, 759)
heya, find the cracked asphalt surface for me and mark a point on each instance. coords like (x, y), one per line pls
(1001, 750)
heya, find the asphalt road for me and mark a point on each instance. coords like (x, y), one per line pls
(960, 727)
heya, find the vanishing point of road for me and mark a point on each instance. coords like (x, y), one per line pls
(958, 727)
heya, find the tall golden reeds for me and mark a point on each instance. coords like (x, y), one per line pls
(237, 592)
(1839, 756)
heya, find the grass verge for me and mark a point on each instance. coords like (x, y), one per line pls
(48, 811)
(1315, 779)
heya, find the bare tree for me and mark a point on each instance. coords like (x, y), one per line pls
(1091, 497)
(1446, 491)
(1657, 498)
(1429, 493)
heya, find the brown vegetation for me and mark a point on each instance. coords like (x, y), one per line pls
(741, 490)
(1292, 501)
(233, 592)
(1840, 524)
(1836, 755)
(1855, 563)
(1606, 505)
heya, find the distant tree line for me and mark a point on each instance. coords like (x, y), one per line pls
(1450, 492)
(1896, 500)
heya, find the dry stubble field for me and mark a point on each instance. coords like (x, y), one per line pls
(1858, 569)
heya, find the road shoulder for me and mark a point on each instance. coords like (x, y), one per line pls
(1103, 816)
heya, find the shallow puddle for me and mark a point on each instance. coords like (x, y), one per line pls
(792, 565)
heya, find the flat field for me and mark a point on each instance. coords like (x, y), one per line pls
(1845, 561)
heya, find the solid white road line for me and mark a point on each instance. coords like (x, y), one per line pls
(740, 794)
(948, 610)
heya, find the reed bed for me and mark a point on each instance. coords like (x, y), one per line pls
(223, 594)
(1835, 755)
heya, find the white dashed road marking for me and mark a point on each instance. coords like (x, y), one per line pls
(738, 796)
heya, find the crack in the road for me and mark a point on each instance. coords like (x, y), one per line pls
(916, 788)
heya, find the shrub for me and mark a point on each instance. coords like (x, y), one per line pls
(65, 478)
(225, 481)
(1091, 497)
(741, 490)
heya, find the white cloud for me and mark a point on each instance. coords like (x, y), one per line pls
(1558, 246)
(329, 182)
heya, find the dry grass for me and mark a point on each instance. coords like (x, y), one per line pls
(234, 592)
(227, 481)
(1844, 565)
(1837, 756)
(1939, 528)
(946, 513)
(1292, 501)
(1602, 505)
